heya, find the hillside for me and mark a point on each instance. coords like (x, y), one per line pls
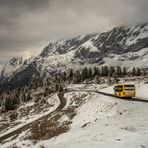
(90, 120)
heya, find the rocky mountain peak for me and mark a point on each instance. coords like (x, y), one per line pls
(16, 61)
(64, 46)
(123, 45)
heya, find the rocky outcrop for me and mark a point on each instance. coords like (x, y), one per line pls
(20, 78)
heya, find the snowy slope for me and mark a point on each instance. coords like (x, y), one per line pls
(100, 121)
(53, 100)
(138, 33)
(109, 123)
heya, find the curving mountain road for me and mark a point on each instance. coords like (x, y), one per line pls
(111, 95)
(27, 126)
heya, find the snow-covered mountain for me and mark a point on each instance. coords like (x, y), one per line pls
(13, 64)
(123, 45)
(12, 67)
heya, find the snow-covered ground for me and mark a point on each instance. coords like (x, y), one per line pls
(101, 121)
(106, 122)
(141, 89)
(53, 100)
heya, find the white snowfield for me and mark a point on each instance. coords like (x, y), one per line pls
(101, 122)
(108, 122)
(89, 45)
(130, 59)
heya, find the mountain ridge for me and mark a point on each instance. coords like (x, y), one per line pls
(123, 45)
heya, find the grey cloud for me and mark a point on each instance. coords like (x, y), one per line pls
(28, 25)
(22, 6)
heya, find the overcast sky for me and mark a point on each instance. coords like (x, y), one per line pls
(26, 26)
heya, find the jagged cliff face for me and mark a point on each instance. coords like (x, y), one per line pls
(123, 45)
(64, 46)
(91, 48)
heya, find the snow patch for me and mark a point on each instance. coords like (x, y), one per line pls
(89, 45)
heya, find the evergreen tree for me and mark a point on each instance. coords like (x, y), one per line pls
(119, 72)
(124, 71)
(77, 77)
(95, 71)
(64, 76)
(112, 71)
(102, 71)
(134, 71)
(9, 102)
(71, 74)
(138, 72)
(105, 71)
(98, 71)
(90, 73)
(144, 73)
(84, 74)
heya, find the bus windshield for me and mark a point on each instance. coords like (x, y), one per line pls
(118, 88)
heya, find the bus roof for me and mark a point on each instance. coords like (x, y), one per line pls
(122, 84)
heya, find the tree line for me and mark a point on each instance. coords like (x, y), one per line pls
(10, 99)
(105, 71)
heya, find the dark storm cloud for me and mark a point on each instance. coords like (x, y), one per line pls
(28, 25)
(10, 10)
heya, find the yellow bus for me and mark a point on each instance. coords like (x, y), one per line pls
(125, 90)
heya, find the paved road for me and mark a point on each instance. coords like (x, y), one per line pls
(27, 126)
(111, 95)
